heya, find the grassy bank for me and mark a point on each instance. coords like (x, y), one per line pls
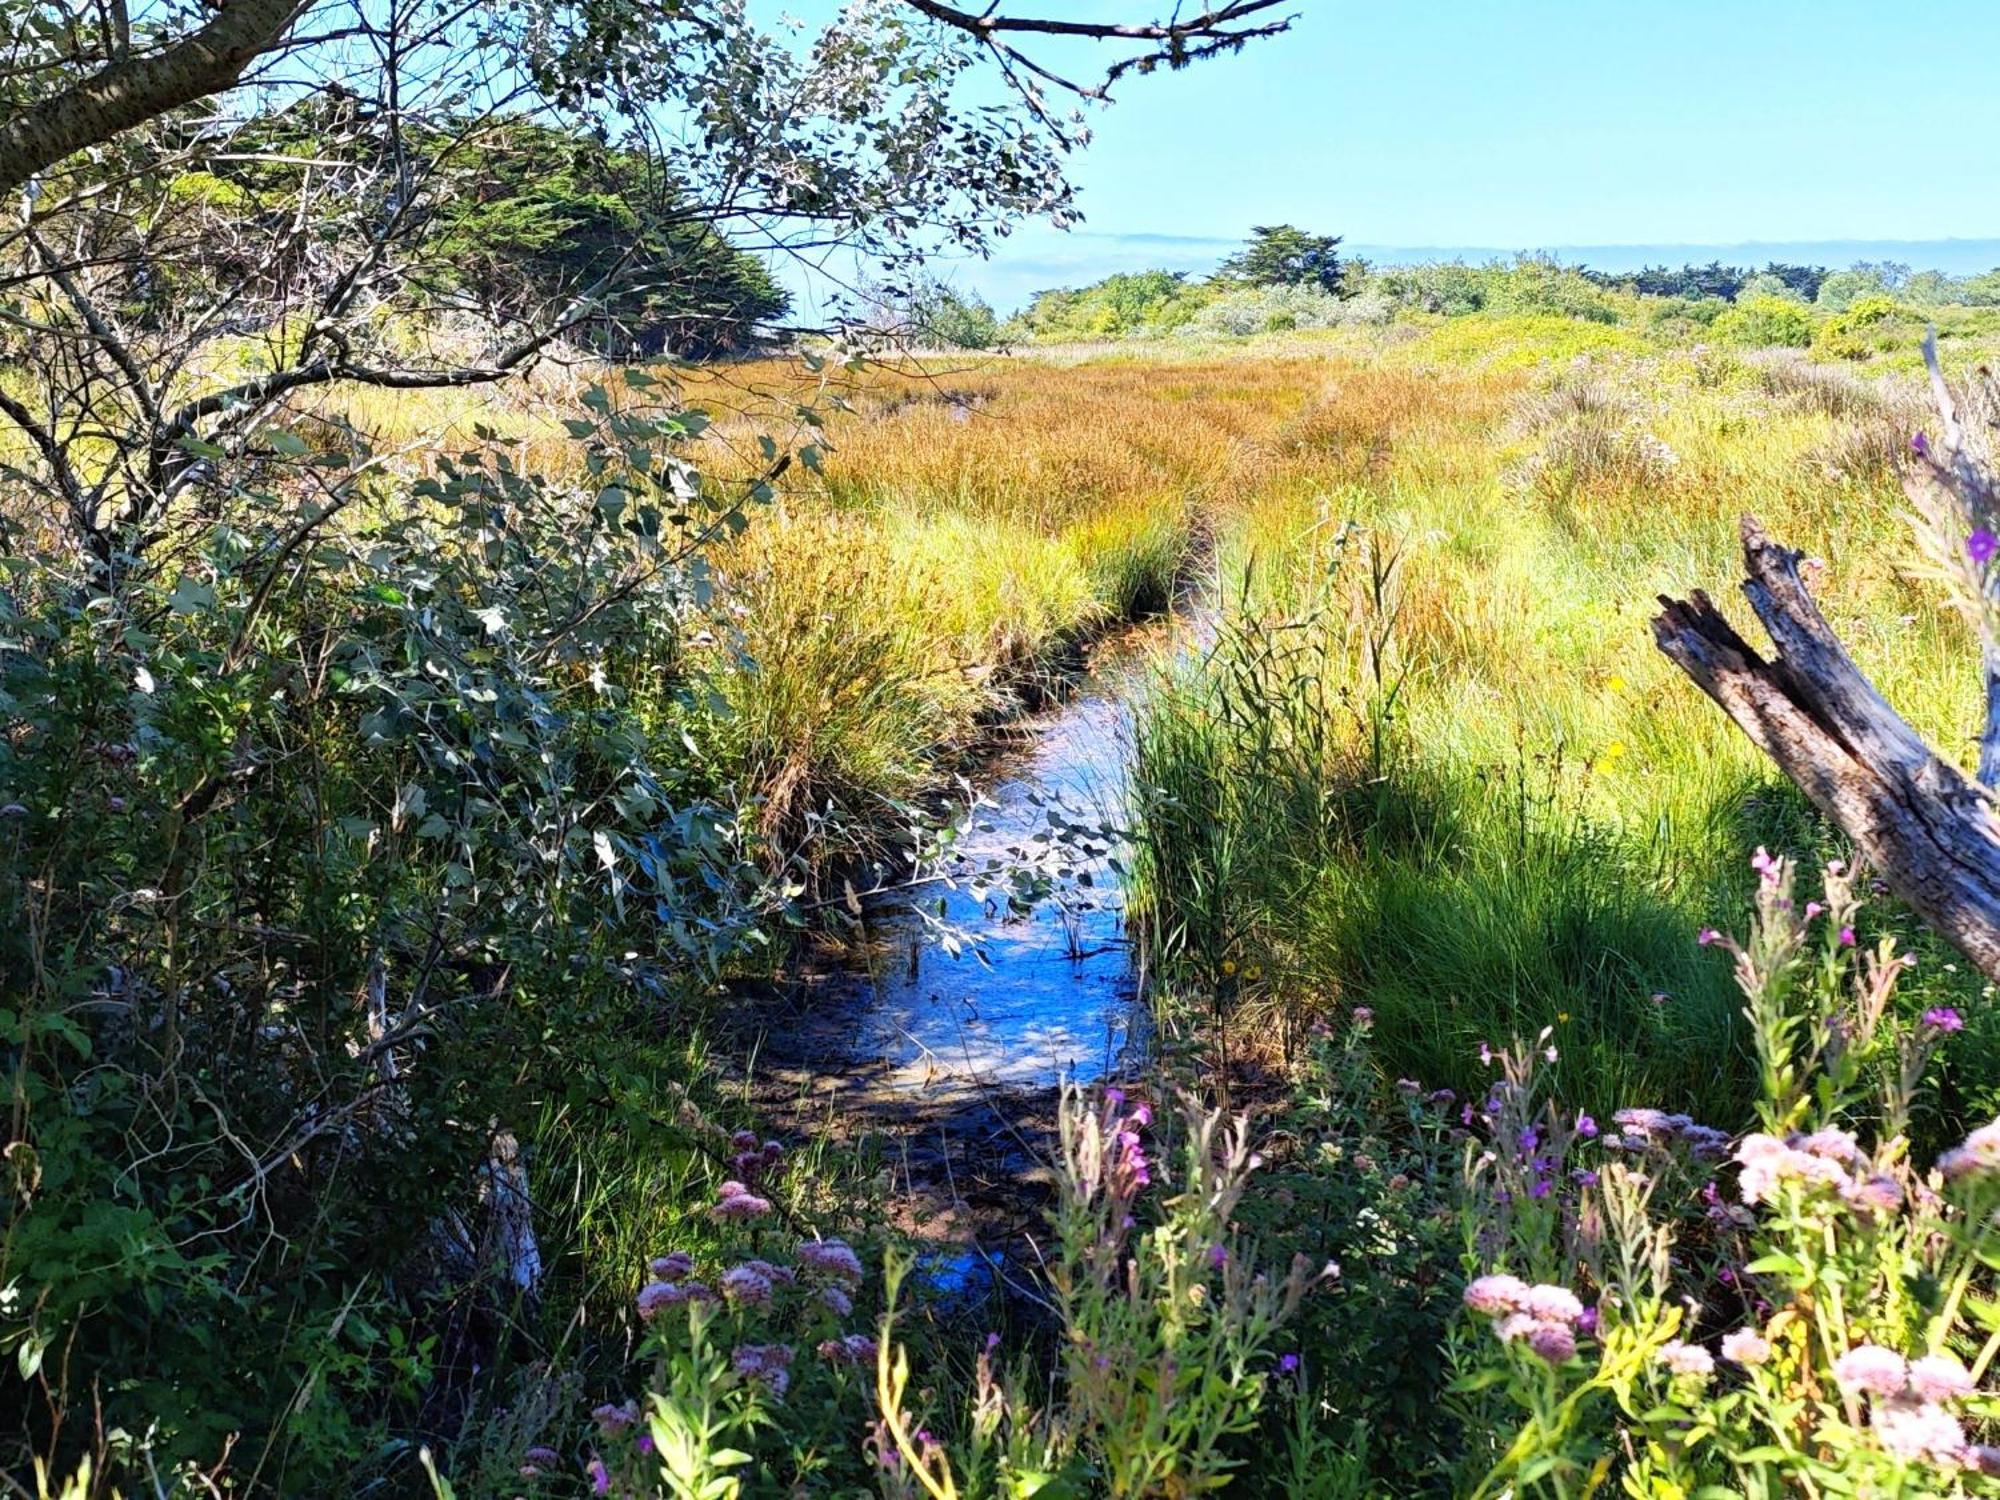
(1434, 766)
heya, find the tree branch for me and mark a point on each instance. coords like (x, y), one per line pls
(136, 89)
(1178, 41)
(1927, 828)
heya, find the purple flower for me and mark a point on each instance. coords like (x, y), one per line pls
(1552, 1342)
(1847, 937)
(1287, 1363)
(1218, 1257)
(1586, 1323)
(1586, 1127)
(1942, 1018)
(1363, 1016)
(1980, 546)
(1920, 445)
(1707, 937)
(600, 1477)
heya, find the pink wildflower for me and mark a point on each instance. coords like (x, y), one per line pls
(1875, 1197)
(1943, 1019)
(1514, 1326)
(1939, 1377)
(745, 1284)
(738, 1202)
(1553, 1304)
(768, 1364)
(855, 1349)
(1871, 1368)
(1553, 1342)
(833, 1258)
(612, 1420)
(656, 1295)
(1680, 1358)
(1746, 1347)
(1919, 1431)
(1978, 1152)
(1490, 1296)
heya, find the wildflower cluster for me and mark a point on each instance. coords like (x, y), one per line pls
(1167, 1322)
(1545, 1319)
(729, 1357)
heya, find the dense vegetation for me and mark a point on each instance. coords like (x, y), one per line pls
(438, 712)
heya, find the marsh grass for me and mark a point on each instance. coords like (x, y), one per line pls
(1528, 832)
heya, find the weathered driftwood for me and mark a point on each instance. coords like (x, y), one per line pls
(1928, 829)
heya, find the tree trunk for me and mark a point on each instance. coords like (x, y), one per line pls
(1928, 829)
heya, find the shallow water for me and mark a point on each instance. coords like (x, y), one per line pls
(1035, 997)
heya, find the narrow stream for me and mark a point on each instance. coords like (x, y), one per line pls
(1031, 999)
(950, 1065)
(1038, 997)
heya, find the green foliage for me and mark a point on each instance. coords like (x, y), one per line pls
(1126, 305)
(1535, 285)
(1283, 255)
(1764, 322)
(1868, 325)
(314, 849)
(1451, 288)
(942, 315)
(1841, 290)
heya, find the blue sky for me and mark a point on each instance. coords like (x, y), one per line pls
(1512, 124)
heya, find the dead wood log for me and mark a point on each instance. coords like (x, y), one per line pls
(1925, 827)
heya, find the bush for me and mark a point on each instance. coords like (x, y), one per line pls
(1280, 309)
(1452, 288)
(944, 316)
(1126, 305)
(1868, 326)
(1766, 322)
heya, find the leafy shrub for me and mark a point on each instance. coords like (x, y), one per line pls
(1451, 288)
(316, 845)
(1537, 286)
(1764, 322)
(1841, 290)
(1120, 306)
(1867, 326)
(945, 316)
(1281, 309)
